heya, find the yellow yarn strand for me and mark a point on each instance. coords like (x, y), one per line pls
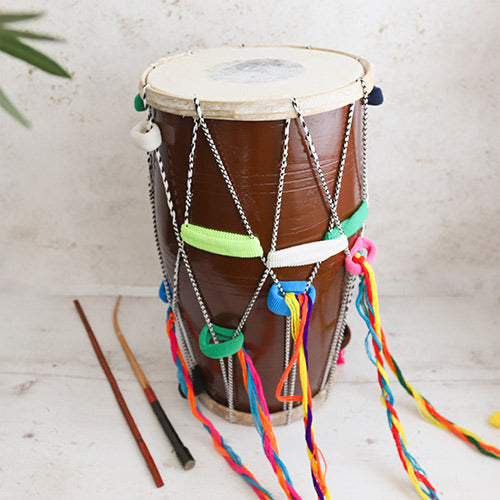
(395, 421)
(424, 407)
(294, 306)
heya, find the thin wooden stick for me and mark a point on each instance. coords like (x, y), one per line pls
(119, 398)
(181, 451)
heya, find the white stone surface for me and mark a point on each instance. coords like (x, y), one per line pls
(73, 190)
(62, 434)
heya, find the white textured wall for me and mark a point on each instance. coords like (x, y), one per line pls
(74, 206)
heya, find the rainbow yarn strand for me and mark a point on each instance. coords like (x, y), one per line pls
(425, 408)
(300, 309)
(225, 450)
(367, 305)
(262, 422)
(260, 414)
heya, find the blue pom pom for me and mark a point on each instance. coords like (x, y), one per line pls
(375, 97)
(162, 293)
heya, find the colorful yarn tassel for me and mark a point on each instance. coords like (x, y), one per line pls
(300, 310)
(262, 422)
(260, 413)
(225, 450)
(367, 305)
(425, 408)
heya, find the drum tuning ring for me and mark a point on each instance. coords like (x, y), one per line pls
(360, 246)
(144, 138)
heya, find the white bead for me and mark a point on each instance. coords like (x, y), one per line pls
(147, 140)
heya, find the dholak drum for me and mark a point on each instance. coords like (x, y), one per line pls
(258, 188)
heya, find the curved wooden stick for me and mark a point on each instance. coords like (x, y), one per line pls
(183, 454)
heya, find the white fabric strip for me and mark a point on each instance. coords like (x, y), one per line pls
(307, 253)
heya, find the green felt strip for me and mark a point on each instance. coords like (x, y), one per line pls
(221, 242)
(351, 225)
(227, 347)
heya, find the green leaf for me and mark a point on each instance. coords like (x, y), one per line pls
(19, 16)
(28, 34)
(12, 110)
(13, 46)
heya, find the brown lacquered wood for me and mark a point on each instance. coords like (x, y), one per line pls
(251, 152)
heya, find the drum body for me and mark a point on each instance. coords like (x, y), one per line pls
(251, 151)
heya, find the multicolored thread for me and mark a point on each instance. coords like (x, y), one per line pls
(300, 310)
(425, 408)
(262, 422)
(260, 413)
(367, 305)
(224, 449)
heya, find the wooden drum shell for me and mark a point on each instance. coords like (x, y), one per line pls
(251, 152)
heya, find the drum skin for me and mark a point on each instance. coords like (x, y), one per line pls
(251, 152)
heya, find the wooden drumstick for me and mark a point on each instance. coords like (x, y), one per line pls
(119, 398)
(181, 451)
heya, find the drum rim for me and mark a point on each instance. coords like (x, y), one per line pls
(259, 110)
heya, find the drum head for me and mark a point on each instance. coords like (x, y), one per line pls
(256, 82)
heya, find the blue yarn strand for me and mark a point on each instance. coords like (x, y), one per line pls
(254, 409)
(364, 306)
(235, 457)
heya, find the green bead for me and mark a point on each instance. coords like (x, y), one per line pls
(139, 103)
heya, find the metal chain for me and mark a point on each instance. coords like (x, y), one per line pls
(288, 344)
(339, 333)
(293, 377)
(184, 341)
(155, 226)
(230, 388)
